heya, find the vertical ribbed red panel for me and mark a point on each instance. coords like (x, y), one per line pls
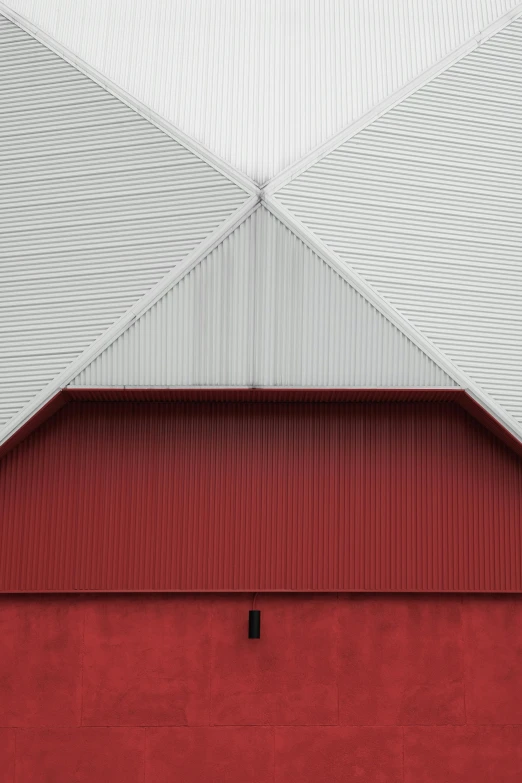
(260, 496)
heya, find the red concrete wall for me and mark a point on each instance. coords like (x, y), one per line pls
(416, 689)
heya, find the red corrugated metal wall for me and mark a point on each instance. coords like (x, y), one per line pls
(155, 689)
(261, 496)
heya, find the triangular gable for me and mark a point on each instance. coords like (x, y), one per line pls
(424, 205)
(263, 309)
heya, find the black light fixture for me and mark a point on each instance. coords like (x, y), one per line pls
(254, 621)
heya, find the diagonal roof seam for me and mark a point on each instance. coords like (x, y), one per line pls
(141, 306)
(228, 170)
(304, 235)
(263, 195)
(256, 248)
(325, 148)
(202, 152)
(400, 321)
(311, 241)
(222, 167)
(307, 236)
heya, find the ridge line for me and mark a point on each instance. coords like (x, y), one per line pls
(400, 321)
(128, 317)
(297, 168)
(224, 168)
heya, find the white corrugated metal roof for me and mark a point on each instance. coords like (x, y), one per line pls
(136, 259)
(426, 206)
(262, 82)
(96, 207)
(262, 309)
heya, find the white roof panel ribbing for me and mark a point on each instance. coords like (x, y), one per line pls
(96, 206)
(396, 263)
(425, 205)
(262, 309)
(262, 82)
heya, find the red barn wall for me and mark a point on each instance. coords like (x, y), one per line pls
(324, 498)
(261, 496)
(141, 688)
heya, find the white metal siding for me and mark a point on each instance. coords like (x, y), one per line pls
(262, 309)
(426, 205)
(96, 206)
(262, 82)
(198, 333)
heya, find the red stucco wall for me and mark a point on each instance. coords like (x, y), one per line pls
(420, 689)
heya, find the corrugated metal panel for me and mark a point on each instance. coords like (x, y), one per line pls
(198, 333)
(314, 329)
(199, 394)
(265, 394)
(238, 496)
(281, 394)
(96, 206)
(262, 310)
(261, 83)
(425, 205)
(54, 404)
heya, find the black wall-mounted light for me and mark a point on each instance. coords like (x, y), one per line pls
(254, 624)
(254, 621)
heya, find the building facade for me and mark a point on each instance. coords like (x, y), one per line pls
(260, 329)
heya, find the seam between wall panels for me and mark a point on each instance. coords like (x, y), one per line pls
(463, 638)
(211, 662)
(144, 304)
(213, 160)
(15, 755)
(274, 751)
(274, 726)
(82, 662)
(338, 642)
(295, 170)
(253, 276)
(400, 321)
(403, 757)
